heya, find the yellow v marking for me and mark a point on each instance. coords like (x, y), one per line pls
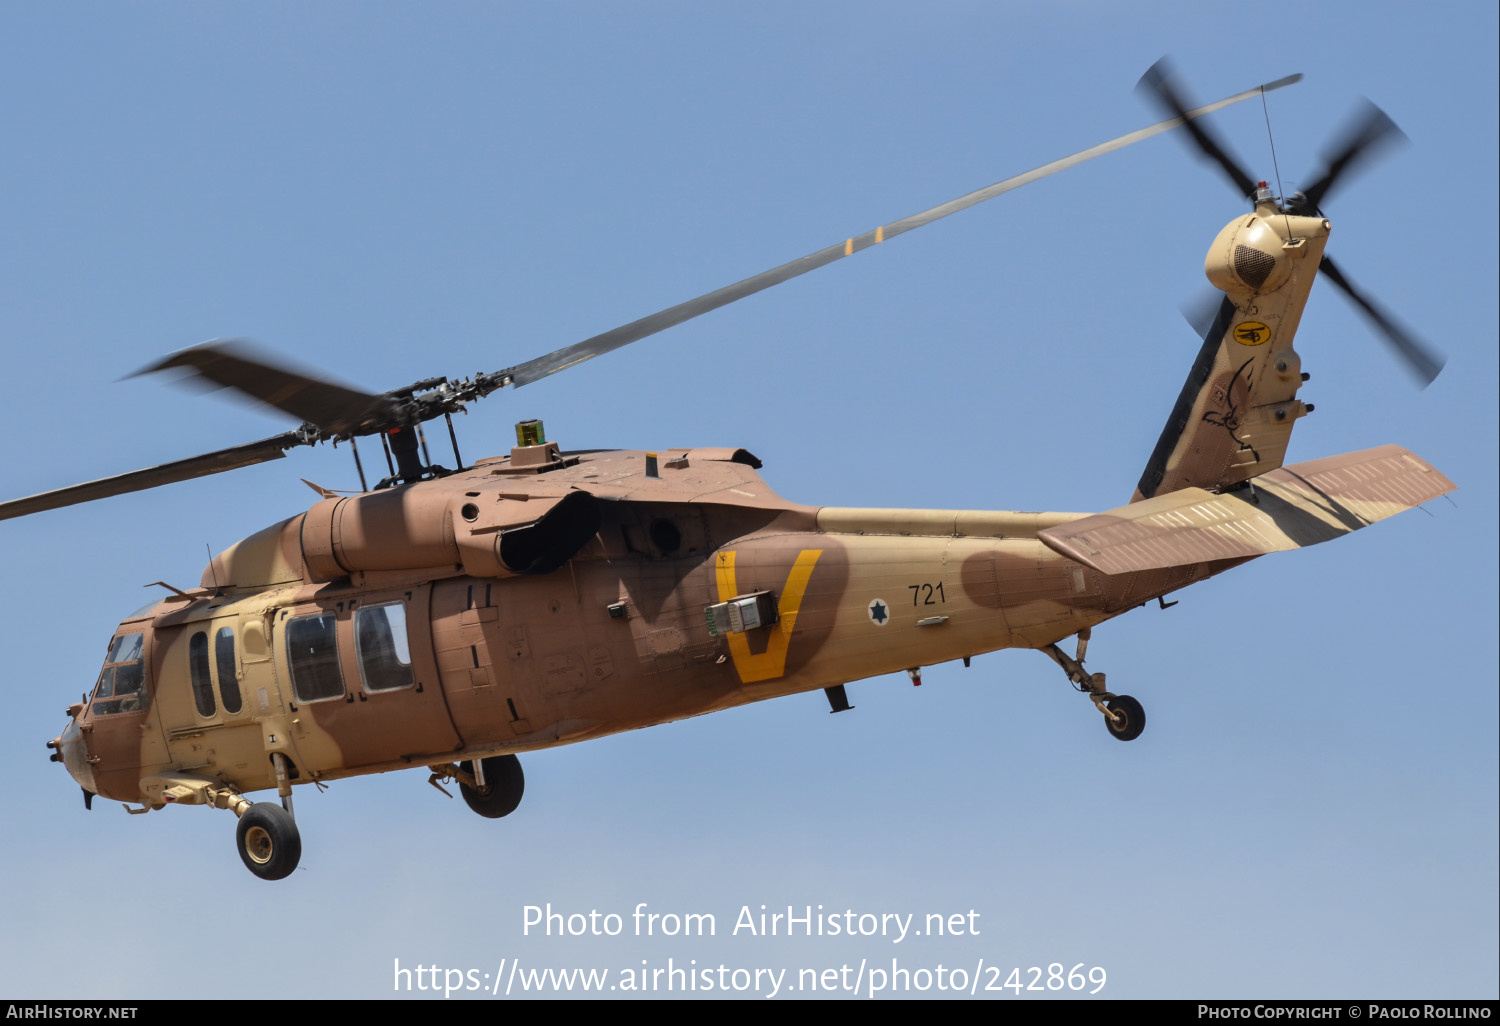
(772, 662)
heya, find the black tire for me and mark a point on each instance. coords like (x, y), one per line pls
(504, 783)
(1135, 718)
(269, 843)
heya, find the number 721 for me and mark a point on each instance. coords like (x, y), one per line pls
(927, 594)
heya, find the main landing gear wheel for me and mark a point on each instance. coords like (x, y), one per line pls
(1126, 718)
(504, 784)
(269, 842)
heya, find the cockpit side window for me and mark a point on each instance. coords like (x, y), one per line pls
(203, 685)
(312, 653)
(384, 654)
(122, 682)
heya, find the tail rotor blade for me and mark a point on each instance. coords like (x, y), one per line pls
(1424, 363)
(1371, 130)
(1157, 82)
(1203, 310)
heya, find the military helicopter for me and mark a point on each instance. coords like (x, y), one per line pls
(455, 618)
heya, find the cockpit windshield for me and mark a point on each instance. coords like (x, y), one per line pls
(122, 683)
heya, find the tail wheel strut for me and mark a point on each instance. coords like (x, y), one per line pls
(1123, 716)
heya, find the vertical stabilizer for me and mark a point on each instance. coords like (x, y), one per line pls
(1234, 417)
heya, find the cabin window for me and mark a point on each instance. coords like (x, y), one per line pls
(229, 681)
(203, 685)
(384, 653)
(313, 655)
(256, 649)
(121, 686)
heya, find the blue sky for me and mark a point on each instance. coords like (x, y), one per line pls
(390, 191)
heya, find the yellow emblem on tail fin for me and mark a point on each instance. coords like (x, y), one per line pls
(1252, 333)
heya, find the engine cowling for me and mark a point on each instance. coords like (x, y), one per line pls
(489, 534)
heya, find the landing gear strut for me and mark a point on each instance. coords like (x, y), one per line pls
(1123, 715)
(491, 787)
(270, 844)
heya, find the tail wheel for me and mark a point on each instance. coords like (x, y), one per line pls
(504, 783)
(1126, 718)
(269, 843)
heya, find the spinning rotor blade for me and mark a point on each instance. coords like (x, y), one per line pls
(542, 366)
(1157, 81)
(1370, 130)
(1424, 364)
(330, 410)
(166, 473)
(230, 363)
(1203, 311)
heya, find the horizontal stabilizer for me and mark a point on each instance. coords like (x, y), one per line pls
(1288, 508)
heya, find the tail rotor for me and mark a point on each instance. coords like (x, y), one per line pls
(1370, 131)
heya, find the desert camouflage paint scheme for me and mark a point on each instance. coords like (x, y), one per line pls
(549, 598)
(453, 620)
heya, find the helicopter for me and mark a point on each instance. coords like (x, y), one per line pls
(454, 619)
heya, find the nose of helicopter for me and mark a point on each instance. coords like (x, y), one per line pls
(70, 749)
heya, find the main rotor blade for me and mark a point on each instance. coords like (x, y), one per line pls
(1157, 81)
(561, 359)
(1424, 363)
(1371, 129)
(231, 363)
(139, 480)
